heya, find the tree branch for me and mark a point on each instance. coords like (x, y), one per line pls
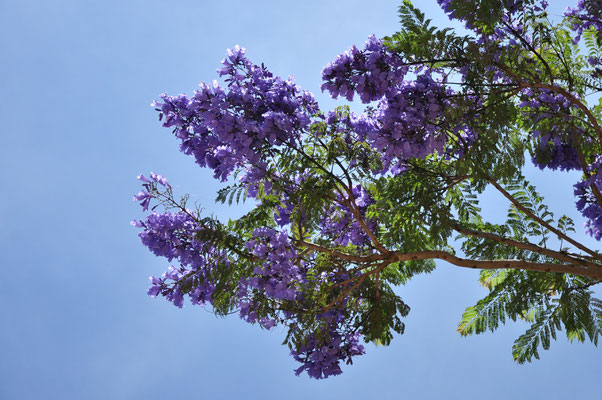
(529, 246)
(496, 264)
(523, 84)
(542, 222)
(577, 267)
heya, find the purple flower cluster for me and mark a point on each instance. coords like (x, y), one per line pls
(280, 270)
(144, 196)
(450, 8)
(370, 72)
(587, 202)
(555, 152)
(469, 12)
(339, 223)
(550, 115)
(173, 236)
(234, 127)
(464, 136)
(280, 275)
(321, 359)
(596, 62)
(282, 215)
(408, 122)
(587, 14)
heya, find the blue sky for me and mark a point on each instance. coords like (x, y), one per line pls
(77, 81)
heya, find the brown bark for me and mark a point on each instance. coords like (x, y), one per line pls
(577, 267)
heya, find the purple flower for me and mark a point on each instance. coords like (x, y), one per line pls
(156, 285)
(228, 129)
(159, 179)
(370, 72)
(552, 124)
(339, 224)
(144, 199)
(586, 200)
(587, 14)
(321, 358)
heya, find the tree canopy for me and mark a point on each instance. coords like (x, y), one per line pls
(348, 206)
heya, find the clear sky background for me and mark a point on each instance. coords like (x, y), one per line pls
(77, 79)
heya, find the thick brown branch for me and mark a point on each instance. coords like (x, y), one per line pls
(496, 264)
(577, 267)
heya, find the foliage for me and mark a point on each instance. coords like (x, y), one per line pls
(349, 206)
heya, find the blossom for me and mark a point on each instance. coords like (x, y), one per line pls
(370, 72)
